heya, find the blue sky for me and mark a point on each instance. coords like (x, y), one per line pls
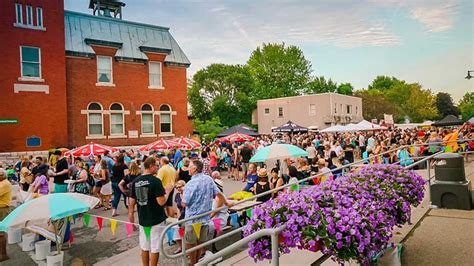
(425, 41)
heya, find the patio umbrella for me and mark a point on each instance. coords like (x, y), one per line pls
(161, 144)
(277, 151)
(90, 149)
(187, 143)
(236, 137)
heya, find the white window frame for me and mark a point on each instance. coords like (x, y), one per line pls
(27, 78)
(39, 17)
(282, 114)
(19, 20)
(154, 86)
(170, 113)
(29, 15)
(112, 112)
(311, 111)
(265, 111)
(101, 112)
(146, 112)
(111, 82)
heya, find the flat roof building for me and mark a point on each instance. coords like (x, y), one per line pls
(312, 111)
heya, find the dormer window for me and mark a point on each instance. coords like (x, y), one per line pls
(104, 71)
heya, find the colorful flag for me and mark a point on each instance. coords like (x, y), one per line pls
(217, 225)
(69, 219)
(197, 229)
(249, 213)
(70, 237)
(170, 235)
(448, 149)
(129, 228)
(147, 231)
(87, 218)
(113, 226)
(100, 221)
(181, 232)
(234, 220)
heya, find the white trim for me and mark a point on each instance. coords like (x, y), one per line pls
(30, 79)
(111, 83)
(29, 11)
(39, 11)
(166, 135)
(160, 86)
(30, 88)
(30, 27)
(39, 62)
(152, 119)
(122, 136)
(156, 88)
(96, 137)
(19, 20)
(148, 135)
(112, 112)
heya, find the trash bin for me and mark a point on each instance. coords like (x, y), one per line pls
(449, 167)
(450, 189)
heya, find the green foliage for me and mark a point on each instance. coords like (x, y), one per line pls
(445, 105)
(345, 88)
(279, 71)
(321, 85)
(374, 105)
(383, 83)
(224, 91)
(208, 129)
(466, 105)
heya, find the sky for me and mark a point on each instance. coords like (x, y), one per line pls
(426, 41)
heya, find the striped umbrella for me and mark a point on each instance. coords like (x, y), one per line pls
(53, 206)
(161, 144)
(236, 137)
(278, 151)
(90, 149)
(187, 143)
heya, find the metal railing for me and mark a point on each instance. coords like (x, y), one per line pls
(234, 246)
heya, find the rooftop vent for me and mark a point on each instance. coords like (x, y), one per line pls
(107, 8)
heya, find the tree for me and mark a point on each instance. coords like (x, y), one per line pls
(374, 105)
(383, 83)
(321, 85)
(208, 129)
(224, 91)
(466, 105)
(345, 88)
(445, 105)
(279, 71)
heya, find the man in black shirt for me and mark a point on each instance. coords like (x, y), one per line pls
(246, 154)
(148, 194)
(61, 174)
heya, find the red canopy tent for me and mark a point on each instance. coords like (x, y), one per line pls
(236, 137)
(90, 149)
(161, 144)
(187, 143)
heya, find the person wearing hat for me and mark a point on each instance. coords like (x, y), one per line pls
(263, 185)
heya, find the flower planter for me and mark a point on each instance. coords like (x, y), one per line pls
(55, 259)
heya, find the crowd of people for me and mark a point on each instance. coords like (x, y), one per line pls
(183, 184)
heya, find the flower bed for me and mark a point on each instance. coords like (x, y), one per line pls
(351, 218)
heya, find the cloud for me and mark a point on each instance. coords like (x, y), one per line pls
(436, 17)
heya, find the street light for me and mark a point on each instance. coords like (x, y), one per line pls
(469, 74)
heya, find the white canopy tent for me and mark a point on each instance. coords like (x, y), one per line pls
(370, 126)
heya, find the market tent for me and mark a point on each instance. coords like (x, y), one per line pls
(366, 125)
(290, 127)
(242, 129)
(449, 120)
(336, 128)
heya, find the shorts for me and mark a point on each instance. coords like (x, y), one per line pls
(98, 183)
(169, 201)
(151, 244)
(60, 188)
(190, 235)
(106, 189)
(245, 167)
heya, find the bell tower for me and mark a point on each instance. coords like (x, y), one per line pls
(107, 8)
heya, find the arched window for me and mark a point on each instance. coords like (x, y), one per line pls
(166, 120)
(95, 125)
(117, 124)
(148, 119)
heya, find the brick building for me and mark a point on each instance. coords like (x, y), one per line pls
(75, 78)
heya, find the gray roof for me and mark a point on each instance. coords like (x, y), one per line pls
(131, 36)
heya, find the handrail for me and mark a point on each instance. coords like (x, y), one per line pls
(273, 233)
(184, 251)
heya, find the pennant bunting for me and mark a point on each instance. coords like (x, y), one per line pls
(113, 226)
(234, 220)
(69, 219)
(448, 149)
(249, 213)
(170, 235)
(181, 232)
(294, 187)
(217, 225)
(147, 231)
(100, 222)
(432, 149)
(87, 218)
(70, 237)
(129, 228)
(197, 229)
